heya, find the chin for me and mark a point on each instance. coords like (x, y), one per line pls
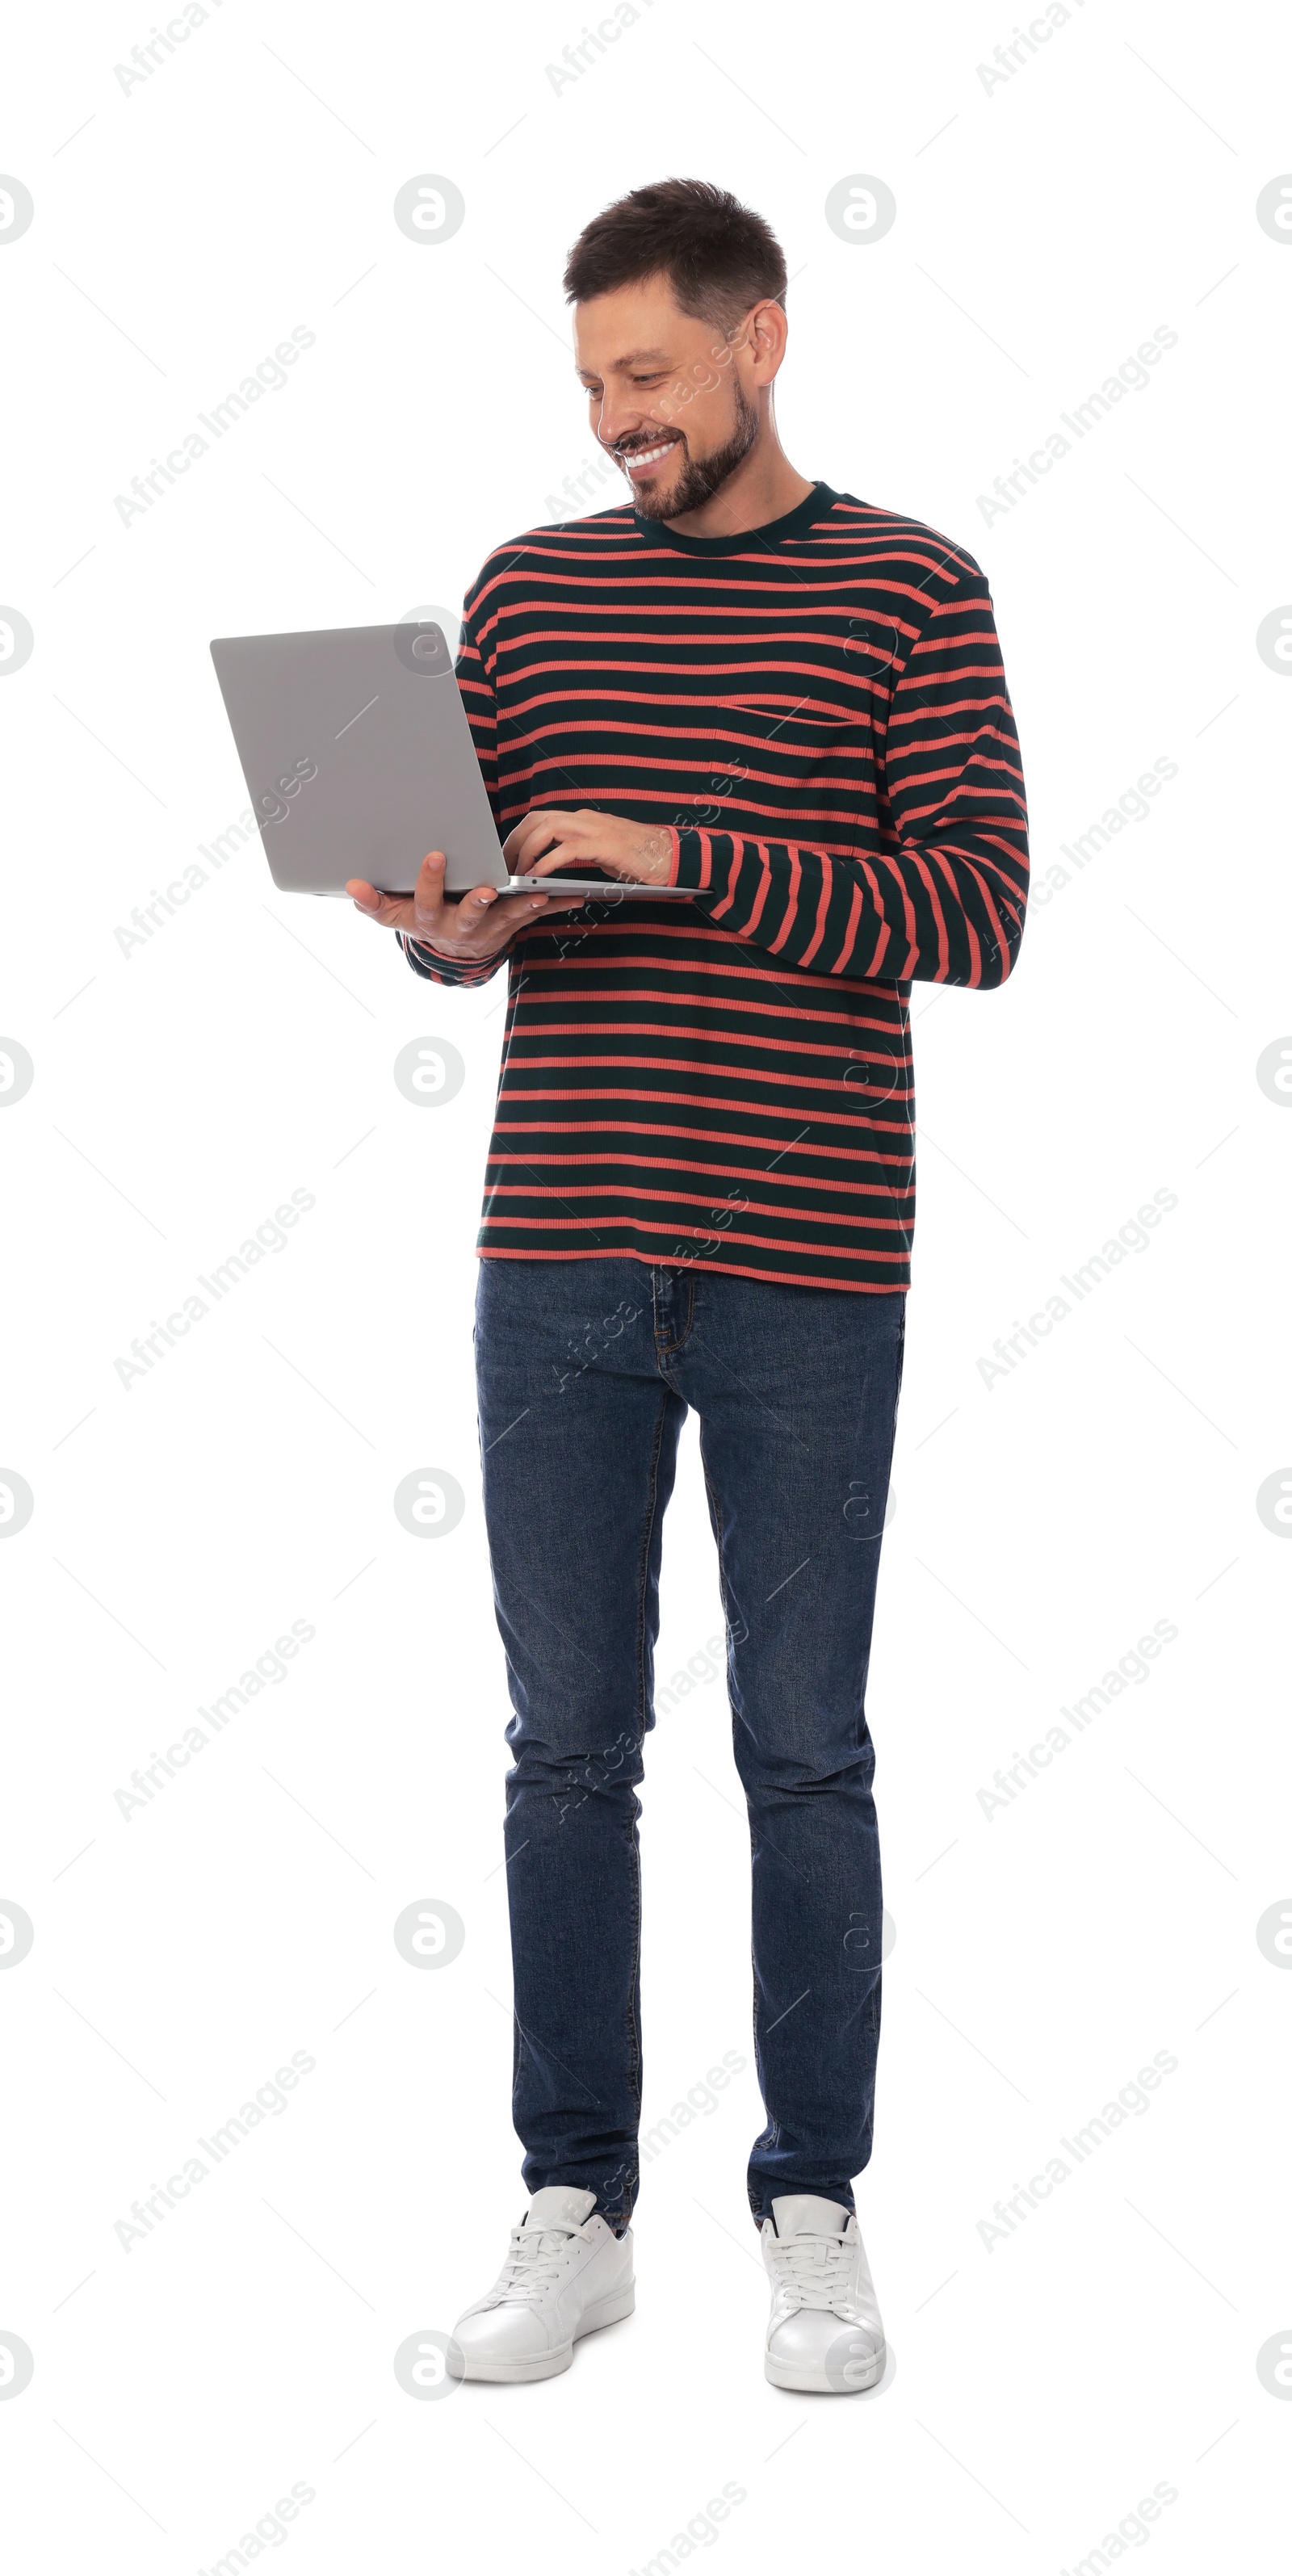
(656, 499)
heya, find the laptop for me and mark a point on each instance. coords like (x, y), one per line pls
(358, 758)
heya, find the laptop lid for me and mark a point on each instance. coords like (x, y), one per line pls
(358, 757)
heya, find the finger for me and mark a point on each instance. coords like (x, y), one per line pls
(474, 907)
(464, 923)
(391, 912)
(400, 912)
(536, 833)
(517, 911)
(430, 912)
(529, 832)
(482, 931)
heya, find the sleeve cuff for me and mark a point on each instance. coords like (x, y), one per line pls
(691, 861)
(433, 962)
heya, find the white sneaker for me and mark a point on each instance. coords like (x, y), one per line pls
(825, 2330)
(566, 2274)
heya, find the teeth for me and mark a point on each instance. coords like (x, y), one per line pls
(648, 455)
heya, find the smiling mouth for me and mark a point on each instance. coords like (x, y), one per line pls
(643, 460)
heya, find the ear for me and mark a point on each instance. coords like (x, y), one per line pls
(767, 330)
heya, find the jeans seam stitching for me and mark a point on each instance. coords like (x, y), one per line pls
(643, 1579)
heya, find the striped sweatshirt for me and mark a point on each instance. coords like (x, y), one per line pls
(817, 713)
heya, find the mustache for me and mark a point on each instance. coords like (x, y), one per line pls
(656, 438)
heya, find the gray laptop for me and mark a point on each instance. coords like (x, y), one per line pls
(358, 759)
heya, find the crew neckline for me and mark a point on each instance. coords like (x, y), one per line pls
(815, 505)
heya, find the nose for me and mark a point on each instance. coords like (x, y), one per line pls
(620, 417)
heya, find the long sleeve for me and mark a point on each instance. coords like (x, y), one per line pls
(476, 685)
(942, 898)
(449, 970)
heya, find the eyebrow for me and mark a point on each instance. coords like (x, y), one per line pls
(632, 358)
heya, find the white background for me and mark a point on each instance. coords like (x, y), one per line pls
(182, 1090)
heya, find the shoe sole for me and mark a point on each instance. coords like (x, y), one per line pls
(786, 2374)
(548, 2365)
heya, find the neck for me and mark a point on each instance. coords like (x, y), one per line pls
(763, 487)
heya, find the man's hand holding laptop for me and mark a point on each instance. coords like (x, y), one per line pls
(547, 842)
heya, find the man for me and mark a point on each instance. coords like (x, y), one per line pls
(700, 1192)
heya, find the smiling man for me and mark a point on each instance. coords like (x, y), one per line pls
(700, 1193)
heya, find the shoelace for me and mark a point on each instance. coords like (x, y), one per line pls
(534, 2263)
(815, 2268)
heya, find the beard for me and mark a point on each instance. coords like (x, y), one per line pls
(702, 476)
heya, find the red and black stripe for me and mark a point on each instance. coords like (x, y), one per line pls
(818, 711)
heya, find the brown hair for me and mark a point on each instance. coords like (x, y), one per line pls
(719, 257)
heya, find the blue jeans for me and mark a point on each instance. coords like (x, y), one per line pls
(585, 1371)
